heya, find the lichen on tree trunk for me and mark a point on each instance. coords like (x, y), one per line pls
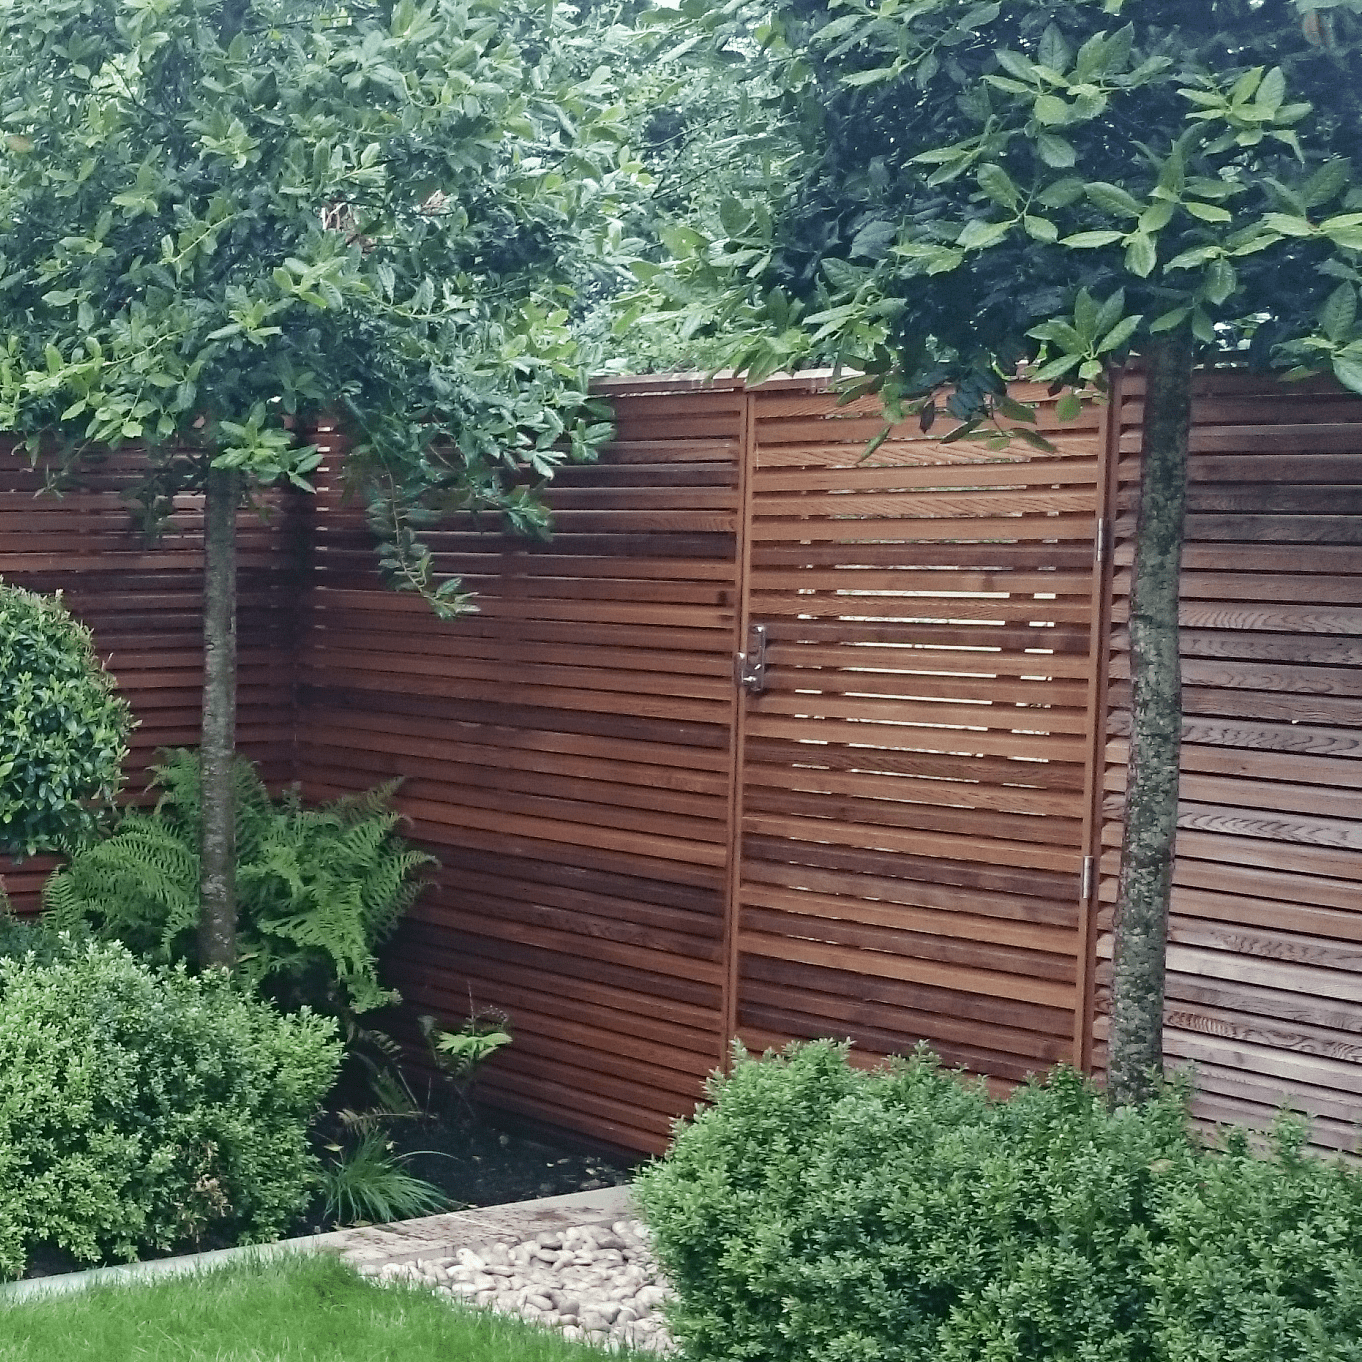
(1136, 1044)
(217, 875)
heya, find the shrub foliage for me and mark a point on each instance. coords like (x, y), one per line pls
(144, 1109)
(318, 889)
(63, 729)
(21, 936)
(817, 1213)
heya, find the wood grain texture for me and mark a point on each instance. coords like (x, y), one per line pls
(566, 754)
(912, 806)
(1266, 911)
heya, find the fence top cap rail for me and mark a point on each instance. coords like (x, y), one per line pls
(620, 385)
(1227, 370)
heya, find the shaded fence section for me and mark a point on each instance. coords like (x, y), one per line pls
(568, 757)
(1265, 942)
(143, 600)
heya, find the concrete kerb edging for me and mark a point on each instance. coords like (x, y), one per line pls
(370, 1246)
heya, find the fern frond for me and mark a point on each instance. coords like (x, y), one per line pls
(358, 807)
(389, 889)
(317, 889)
(140, 885)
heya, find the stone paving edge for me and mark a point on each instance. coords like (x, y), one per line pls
(369, 1246)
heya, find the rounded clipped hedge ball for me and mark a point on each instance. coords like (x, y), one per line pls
(63, 726)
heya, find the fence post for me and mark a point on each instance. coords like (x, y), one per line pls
(747, 458)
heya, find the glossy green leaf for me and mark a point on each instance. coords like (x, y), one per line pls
(1141, 255)
(1113, 199)
(1055, 151)
(1339, 312)
(1086, 241)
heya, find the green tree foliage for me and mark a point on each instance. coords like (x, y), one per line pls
(320, 889)
(702, 137)
(815, 1212)
(63, 727)
(1057, 184)
(222, 214)
(141, 1109)
(219, 216)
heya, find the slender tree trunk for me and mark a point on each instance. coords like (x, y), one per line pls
(217, 882)
(1151, 809)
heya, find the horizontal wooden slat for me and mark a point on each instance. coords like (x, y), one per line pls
(1265, 931)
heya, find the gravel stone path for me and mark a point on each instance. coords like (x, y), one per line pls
(597, 1282)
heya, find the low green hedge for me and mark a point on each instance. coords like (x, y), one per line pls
(146, 1109)
(817, 1213)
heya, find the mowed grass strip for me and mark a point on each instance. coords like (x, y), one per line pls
(304, 1309)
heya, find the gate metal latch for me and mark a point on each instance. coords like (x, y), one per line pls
(751, 665)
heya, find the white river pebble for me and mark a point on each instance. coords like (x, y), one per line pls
(594, 1282)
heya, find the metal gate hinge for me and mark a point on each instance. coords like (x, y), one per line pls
(1102, 542)
(1089, 878)
(750, 667)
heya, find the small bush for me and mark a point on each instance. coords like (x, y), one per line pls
(63, 729)
(143, 1109)
(816, 1213)
(20, 936)
(317, 889)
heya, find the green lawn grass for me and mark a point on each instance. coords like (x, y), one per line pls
(304, 1309)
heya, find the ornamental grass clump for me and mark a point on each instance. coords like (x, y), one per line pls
(63, 727)
(144, 1109)
(818, 1213)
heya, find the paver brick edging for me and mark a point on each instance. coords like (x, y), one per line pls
(369, 1246)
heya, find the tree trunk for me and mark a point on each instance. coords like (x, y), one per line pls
(217, 874)
(1136, 1053)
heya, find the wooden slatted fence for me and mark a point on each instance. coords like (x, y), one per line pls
(888, 841)
(915, 786)
(143, 602)
(1265, 940)
(568, 757)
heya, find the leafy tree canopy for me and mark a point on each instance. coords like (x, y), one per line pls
(219, 215)
(1062, 181)
(702, 135)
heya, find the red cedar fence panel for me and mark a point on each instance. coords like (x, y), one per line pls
(567, 756)
(144, 604)
(1265, 940)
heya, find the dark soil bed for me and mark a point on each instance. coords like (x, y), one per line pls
(490, 1158)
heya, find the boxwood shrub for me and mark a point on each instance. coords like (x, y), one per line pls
(819, 1213)
(20, 936)
(146, 1109)
(63, 726)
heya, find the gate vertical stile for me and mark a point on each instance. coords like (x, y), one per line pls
(747, 456)
(1099, 654)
